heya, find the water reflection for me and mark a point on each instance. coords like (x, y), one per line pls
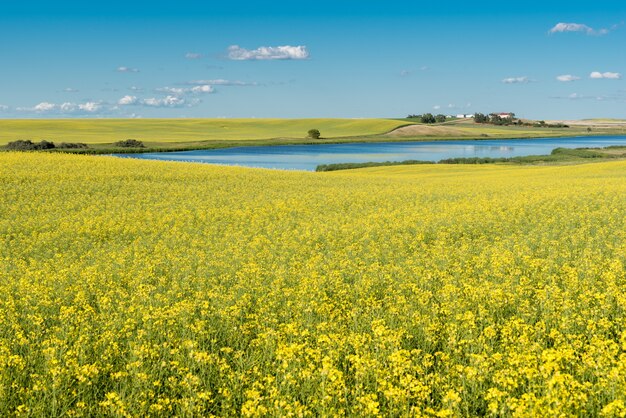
(308, 157)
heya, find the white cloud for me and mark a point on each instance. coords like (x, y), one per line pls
(567, 78)
(405, 73)
(127, 100)
(44, 107)
(175, 97)
(571, 27)
(168, 101)
(66, 107)
(580, 27)
(127, 70)
(172, 90)
(436, 107)
(179, 91)
(203, 89)
(607, 75)
(193, 55)
(89, 107)
(135, 88)
(222, 82)
(285, 52)
(573, 96)
(4, 108)
(70, 90)
(516, 80)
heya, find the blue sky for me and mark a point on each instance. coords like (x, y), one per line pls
(562, 60)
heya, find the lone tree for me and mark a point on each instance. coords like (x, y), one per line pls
(314, 133)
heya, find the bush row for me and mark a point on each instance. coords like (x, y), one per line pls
(28, 145)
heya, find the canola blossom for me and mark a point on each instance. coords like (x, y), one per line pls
(140, 288)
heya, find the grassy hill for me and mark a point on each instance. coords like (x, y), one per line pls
(186, 134)
(102, 131)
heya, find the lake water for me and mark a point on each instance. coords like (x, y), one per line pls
(308, 157)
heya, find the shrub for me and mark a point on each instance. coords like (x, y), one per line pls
(72, 145)
(129, 143)
(350, 166)
(21, 144)
(314, 133)
(45, 145)
(28, 145)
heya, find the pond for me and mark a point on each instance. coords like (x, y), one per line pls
(308, 157)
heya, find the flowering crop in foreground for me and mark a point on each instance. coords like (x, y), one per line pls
(137, 288)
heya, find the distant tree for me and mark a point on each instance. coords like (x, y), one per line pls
(129, 143)
(440, 118)
(314, 133)
(28, 145)
(21, 145)
(428, 118)
(481, 118)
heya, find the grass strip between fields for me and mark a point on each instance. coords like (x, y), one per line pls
(558, 156)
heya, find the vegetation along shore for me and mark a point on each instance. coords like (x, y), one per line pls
(100, 136)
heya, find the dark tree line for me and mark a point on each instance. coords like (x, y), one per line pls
(28, 145)
(495, 119)
(428, 118)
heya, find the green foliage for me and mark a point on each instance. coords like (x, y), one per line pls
(481, 118)
(129, 143)
(558, 155)
(543, 124)
(428, 118)
(496, 119)
(72, 145)
(474, 160)
(580, 152)
(350, 166)
(28, 145)
(314, 133)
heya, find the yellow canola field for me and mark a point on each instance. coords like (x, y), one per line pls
(138, 288)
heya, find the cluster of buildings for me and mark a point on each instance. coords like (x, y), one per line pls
(503, 115)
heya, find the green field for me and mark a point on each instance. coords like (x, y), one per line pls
(103, 131)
